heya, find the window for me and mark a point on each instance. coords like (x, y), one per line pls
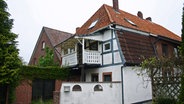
(76, 88)
(94, 77)
(107, 46)
(98, 88)
(93, 24)
(164, 50)
(107, 77)
(91, 45)
(129, 21)
(43, 45)
(176, 52)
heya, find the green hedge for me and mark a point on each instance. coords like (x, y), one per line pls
(33, 72)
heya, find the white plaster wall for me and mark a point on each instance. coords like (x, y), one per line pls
(107, 35)
(107, 58)
(115, 45)
(135, 89)
(116, 73)
(111, 94)
(117, 57)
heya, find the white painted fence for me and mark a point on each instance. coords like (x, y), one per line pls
(90, 57)
(69, 59)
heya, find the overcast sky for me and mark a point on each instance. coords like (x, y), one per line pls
(65, 15)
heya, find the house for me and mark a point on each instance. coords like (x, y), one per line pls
(104, 53)
(25, 93)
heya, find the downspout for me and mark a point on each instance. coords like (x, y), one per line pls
(122, 92)
(122, 84)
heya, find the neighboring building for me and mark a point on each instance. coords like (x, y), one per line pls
(48, 38)
(44, 88)
(106, 50)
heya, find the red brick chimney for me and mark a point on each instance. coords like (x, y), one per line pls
(149, 19)
(115, 5)
(77, 29)
(139, 14)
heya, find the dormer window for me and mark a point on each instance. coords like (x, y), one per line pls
(93, 24)
(129, 21)
(43, 45)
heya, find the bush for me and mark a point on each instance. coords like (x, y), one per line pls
(40, 101)
(162, 100)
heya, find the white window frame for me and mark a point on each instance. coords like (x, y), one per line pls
(105, 50)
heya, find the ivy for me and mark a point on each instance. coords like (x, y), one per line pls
(34, 72)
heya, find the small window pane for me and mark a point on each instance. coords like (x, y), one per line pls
(43, 45)
(107, 78)
(98, 88)
(76, 88)
(107, 46)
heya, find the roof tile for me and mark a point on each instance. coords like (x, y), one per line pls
(107, 15)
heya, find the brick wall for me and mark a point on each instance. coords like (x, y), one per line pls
(24, 93)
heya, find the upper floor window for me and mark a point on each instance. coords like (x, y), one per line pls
(107, 46)
(164, 50)
(91, 45)
(93, 24)
(43, 45)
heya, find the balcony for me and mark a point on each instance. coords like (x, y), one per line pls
(89, 57)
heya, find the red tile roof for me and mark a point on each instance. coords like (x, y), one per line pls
(106, 15)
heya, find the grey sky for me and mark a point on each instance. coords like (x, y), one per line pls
(65, 15)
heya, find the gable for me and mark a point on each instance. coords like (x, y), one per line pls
(51, 37)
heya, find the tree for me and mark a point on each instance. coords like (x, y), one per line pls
(9, 59)
(181, 97)
(48, 59)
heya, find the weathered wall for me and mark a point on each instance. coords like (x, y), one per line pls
(111, 94)
(135, 88)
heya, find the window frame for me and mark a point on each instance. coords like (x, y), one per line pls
(107, 73)
(104, 46)
(43, 44)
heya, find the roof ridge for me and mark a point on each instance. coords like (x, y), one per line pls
(108, 13)
(56, 30)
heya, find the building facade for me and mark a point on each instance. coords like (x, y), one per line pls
(107, 51)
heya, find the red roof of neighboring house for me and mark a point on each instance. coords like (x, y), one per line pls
(106, 15)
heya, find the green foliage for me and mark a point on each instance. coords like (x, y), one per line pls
(40, 101)
(48, 59)
(164, 100)
(181, 97)
(152, 65)
(33, 72)
(9, 60)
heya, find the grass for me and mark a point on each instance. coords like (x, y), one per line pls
(40, 101)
